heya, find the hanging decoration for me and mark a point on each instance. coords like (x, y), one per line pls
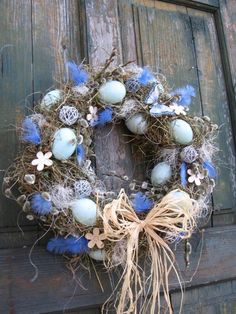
(58, 186)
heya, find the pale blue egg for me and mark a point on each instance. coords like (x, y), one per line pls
(137, 124)
(51, 98)
(161, 173)
(180, 200)
(98, 255)
(64, 143)
(84, 210)
(112, 92)
(182, 132)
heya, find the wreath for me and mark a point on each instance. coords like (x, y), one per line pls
(58, 187)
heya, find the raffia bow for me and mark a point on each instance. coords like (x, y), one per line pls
(174, 215)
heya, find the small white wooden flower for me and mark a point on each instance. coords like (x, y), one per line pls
(42, 160)
(92, 116)
(178, 109)
(195, 177)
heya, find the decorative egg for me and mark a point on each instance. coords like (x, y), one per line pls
(161, 173)
(112, 92)
(98, 255)
(137, 124)
(181, 200)
(182, 132)
(51, 98)
(84, 211)
(64, 143)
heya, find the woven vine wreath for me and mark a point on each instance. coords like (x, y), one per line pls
(57, 185)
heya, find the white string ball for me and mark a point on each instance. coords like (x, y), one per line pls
(82, 188)
(69, 115)
(189, 154)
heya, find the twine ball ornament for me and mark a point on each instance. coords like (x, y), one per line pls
(82, 188)
(69, 115)
(189, 154)
(132, 85)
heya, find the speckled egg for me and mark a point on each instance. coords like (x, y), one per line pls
(51, 98)
(112, 92)
(137, 124)
(161, 173)
(84, 210)
(98, 255)
(64, 143)
(181, 132)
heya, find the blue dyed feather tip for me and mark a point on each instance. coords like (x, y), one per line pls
(30, 132)
(40, 205)
(77, 74)
(105, 116)
(183, 173)
(80, 154)
(70, 245)
(210, 169)
(145, 77)
(185, 93)
(142, 203)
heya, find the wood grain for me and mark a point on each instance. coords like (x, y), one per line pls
(113, 154)
(15, 88)
(215, 103)
(57, 288)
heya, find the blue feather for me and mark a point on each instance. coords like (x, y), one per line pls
(40, 205)
(186, 93)
(180, 236)
(77, 74)
(142, 203)
(80, 153)
(145, 77)
(104, 117)
(183, 173)
(210, 169)
(70, 245)
(30, 132)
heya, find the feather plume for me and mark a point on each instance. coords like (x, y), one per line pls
(183, 173)
(104, 117)
(145, 77)
(77, 74)
(30, 132)
(40, 205)
(80, 152)
(70, 245)
(142, 203)
(210, 169)
(185, 93)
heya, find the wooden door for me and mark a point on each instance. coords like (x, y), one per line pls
(190, 42)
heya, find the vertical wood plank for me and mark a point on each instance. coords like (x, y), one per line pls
(215, 103)
(15, 85)
(113, 160)
(56, 38)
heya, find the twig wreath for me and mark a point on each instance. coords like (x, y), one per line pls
(58, 187)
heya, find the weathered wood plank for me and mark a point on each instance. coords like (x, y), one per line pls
(56, 39)
(113, 160)
(15, 86)
(55, 286)
(165, 33)
(213, 93)
(219, 298)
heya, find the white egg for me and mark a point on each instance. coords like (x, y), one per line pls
(137, 124)
(112, 92)
(98, 255)
(161, 173)
(181, 200)
(84, 210)
(51, 98)
(182, 132)
(64, 143)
